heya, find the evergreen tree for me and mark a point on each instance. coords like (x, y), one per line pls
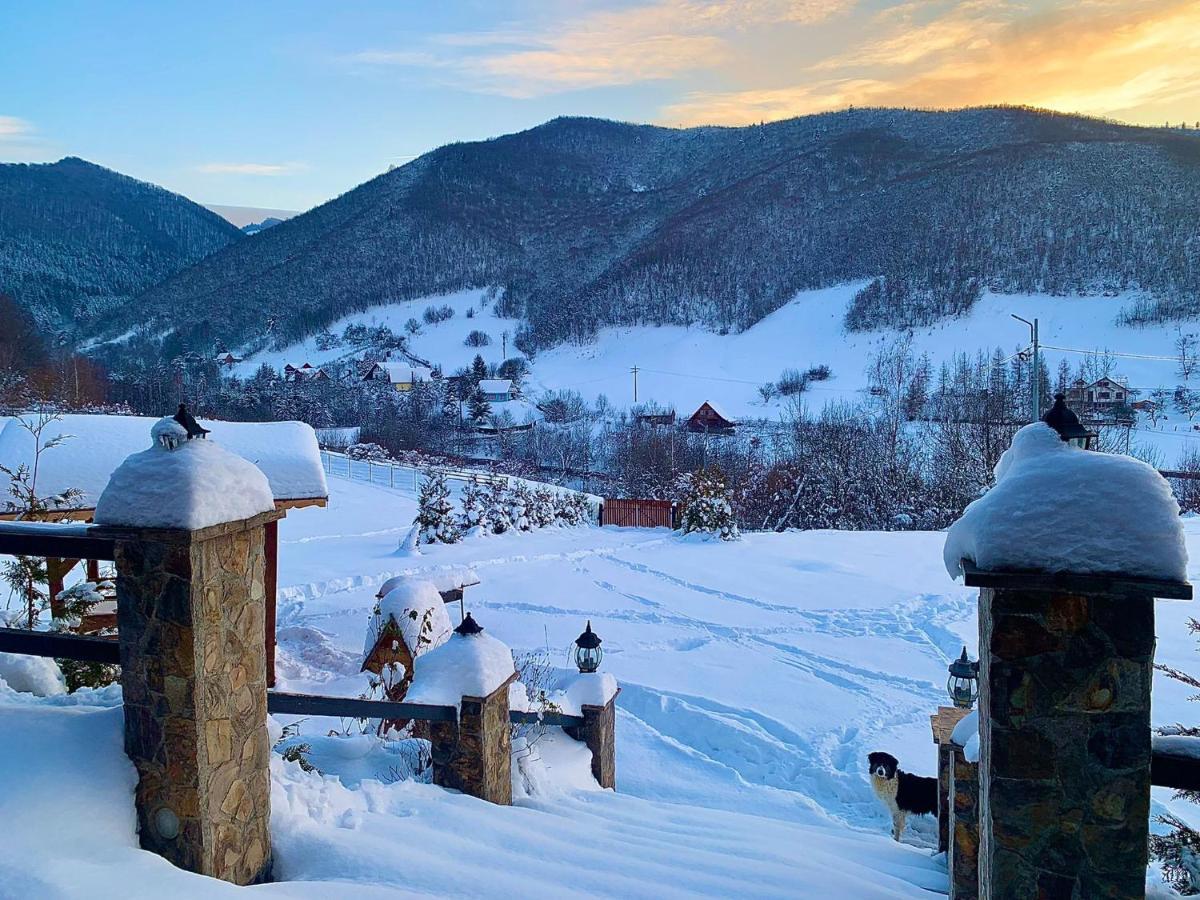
(475, 506)
(478, 369)
(518, 507)
(478, 407)
(708, 509)
(435, 512)
(1178, 850)
(498, 506)
(451, 408)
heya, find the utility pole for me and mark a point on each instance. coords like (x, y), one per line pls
(504, 344)
(1035, 398)
(635, 371)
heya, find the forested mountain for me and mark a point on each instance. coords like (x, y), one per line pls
(587, 222)
(77, 241)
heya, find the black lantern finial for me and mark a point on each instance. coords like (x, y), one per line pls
(1062, 419)
(469, 627)
(587, 650)
(194, 428)
(963, 683)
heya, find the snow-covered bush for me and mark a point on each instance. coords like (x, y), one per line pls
(541, 508)
(498, 509)
(367, 451)
(572, 509)
(435, 512)
(519, 501)
(475, 506)
(707, 507)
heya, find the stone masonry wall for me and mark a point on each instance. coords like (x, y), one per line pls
(474, 754)
(1065, 743)
(191, 626)
(963, 857)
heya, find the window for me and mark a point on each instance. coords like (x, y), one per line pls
(1104, 395)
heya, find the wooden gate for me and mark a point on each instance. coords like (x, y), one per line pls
(639, 513)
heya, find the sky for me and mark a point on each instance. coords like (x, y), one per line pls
(286, 105)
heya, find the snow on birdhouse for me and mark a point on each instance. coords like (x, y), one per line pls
(1058, 508)
(180, 483)
(407, 622)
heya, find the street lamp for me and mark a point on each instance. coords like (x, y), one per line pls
(587, 650)
(963, 683)
(1062, 419)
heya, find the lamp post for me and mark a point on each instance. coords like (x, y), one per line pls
(587, 650)
(1035, 398)
(963, 683)
(1062, 419)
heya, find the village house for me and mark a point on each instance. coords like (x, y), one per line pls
(656, 420)
(304, 373)
(400, 375)
(1101, 394)
(227, 359)
(709, 419)
(497, 390)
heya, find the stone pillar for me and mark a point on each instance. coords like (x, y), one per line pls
(190, 608)
(599, 732)
(942, 724)
(474, 754)
(1064, 770)
(963, 855)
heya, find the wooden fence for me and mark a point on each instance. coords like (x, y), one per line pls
(628, 513)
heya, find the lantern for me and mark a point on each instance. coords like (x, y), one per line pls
(587, 650)
(469, 627)
(963, 683)
(1062, 419)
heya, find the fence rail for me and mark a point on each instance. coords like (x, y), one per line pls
(396, 475)
(68, 541)
(61, 646)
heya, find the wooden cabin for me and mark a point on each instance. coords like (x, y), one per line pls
(656, 420)
(709, 419)
(400, 375)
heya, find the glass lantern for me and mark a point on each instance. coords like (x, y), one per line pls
(587, 650)
(963, 683)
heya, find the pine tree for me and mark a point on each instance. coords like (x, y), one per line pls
(498, 506)
(707, 508)
(435, 512)
(475, 506)
(1178, 850)
(541, 508)
(451, 408)
(478, 406)
(478, 369)
(518, 507)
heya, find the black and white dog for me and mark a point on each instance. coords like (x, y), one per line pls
(903, 794)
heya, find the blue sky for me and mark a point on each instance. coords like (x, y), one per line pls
(288, 104)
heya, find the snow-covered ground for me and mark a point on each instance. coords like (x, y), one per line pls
(683, 367)
(755, 677)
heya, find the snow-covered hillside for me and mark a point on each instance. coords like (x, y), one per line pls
(755, 676)
(682, 367)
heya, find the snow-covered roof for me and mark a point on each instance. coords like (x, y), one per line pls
(496, 385)
(1058, 508)
(718, 410)
(405, 373)
(417, 608)
(448, 578)
(196, 485)
(286, 452)
(576, 690)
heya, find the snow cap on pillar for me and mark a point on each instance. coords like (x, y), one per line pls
(471, 664)
(182, 483)
(1058, 508)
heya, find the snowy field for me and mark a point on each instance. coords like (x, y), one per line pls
(683, 367)
(755, 677)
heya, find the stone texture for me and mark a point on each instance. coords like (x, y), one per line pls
(474, 754)
(963, 824)
(599, 732)
(1065, 743)
(942, 725)
(191, 630)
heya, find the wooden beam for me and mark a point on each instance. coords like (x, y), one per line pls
(1072, 583)
(65, 541)
(1175, 762)
(62, 646)
(270, 584)
(354, 708)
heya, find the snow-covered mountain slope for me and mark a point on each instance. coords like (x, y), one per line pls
(682, 367)
(748, 705)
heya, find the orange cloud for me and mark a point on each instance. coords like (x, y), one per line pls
(1133, 60)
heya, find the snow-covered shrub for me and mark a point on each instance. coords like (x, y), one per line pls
(573, 509)
(498, 507)
(707, 507)
(475, 506)
(477, 338)
(541, 508)
(435, 512)
(519, 501)
(367, 451)
(37, 675)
